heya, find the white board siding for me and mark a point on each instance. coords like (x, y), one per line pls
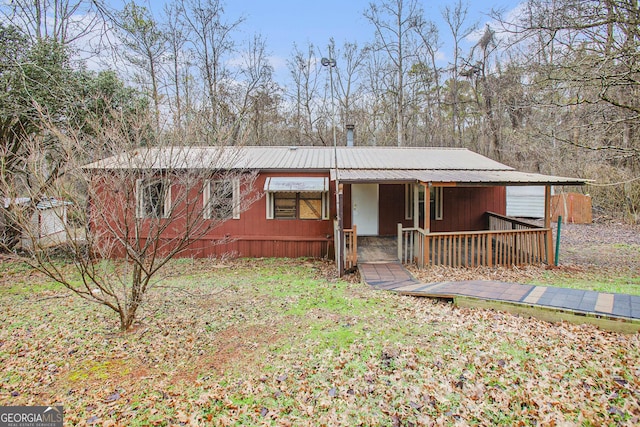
(525, 201)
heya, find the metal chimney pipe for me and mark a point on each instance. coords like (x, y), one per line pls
(350, 129)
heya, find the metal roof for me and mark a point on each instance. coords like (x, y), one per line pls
(260, 158)
(295, 158)
(45, 203)
(469, 177)
(355, 164)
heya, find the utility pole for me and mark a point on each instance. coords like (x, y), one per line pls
(339, 236)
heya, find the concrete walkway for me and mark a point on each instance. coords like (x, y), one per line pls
(618, 307)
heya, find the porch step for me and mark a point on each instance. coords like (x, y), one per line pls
(386, 275)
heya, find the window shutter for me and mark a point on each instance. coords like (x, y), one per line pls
(206, 197)
(269, 200)
(139, 199)
(325, 205)
(167, 199)
(438, 203)
(236, 198)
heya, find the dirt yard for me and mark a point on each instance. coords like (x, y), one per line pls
(600, 245)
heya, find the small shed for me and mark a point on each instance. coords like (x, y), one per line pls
(48, 223)
(525, 201)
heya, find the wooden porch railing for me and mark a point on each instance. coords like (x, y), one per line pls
(350, 248)
(501, 222)
(509, 242)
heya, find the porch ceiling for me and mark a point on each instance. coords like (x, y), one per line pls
(457, 177)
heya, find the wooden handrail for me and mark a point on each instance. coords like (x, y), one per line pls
(508, 247)
(462, 233)
(513, 220)
(350, 248)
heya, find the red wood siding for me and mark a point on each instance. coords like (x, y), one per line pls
(464, 208)
(346, 206)
(256, 236)
(252, 235)
(391, 209)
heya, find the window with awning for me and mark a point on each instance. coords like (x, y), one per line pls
(297, 197)
(295, 184)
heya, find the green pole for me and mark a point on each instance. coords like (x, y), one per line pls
(558, 239)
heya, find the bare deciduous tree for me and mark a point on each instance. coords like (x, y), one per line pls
(395, 23)
(211, 39)
(304, 69)
(583, 72)
(350, 63)
(65, 21)
(455, 18)
(128, 214)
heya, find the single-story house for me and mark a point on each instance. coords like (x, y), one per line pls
(444, 205)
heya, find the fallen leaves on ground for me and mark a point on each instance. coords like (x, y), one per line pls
(283, 342)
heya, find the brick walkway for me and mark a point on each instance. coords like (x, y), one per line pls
(394, 277)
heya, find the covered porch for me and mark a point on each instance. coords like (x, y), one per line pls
(506, 242)
(438, 222)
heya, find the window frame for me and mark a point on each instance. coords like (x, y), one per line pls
(435, 198)
(235, 199)
(271, 208)
(141, 201)
(408, 201)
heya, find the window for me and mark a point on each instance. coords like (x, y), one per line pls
(435, 198)
(310, 206)
(221, 199)
(409, 198)
(153, 198)
(284, 205)
(293, 197)
(298, 205)
(436, 203)
(408, 201)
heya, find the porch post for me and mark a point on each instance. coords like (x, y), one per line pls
(427, 222)
(401, 243)
(416, 205)
(547, 222)
(427, 208)
(339, 213)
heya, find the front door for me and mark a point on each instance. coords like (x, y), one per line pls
(364, 209)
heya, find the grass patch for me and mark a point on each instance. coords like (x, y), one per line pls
(90, 371)
(600, 282)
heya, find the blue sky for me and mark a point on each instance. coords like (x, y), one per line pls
(285, 22)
